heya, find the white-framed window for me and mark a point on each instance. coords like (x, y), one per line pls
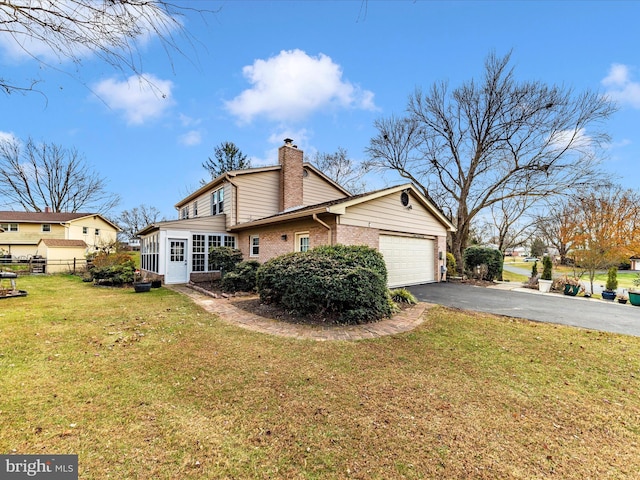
(85, 230)
(302, 241)
(230, 241)
(97, 231)
(217, 202)
(195, 208)
(199, 253)
(254, 246)
(9, 227)
(149, 253)
(184, 212)
(46, 227)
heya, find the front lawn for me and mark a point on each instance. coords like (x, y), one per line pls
(151, 386)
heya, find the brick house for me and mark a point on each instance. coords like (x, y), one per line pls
(269, 211)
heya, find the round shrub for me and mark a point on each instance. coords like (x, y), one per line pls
(346, 281)
(478, 256)
(224, 258)
(242, 279)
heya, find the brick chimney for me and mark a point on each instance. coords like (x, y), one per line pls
(290, 175)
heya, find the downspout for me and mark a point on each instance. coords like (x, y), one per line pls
(329, 236)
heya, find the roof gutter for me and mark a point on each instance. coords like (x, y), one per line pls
(329, 235)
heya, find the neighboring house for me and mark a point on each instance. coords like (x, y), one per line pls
(635, 263)
(23, 231)
(269, 211)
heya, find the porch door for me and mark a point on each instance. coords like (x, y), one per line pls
(177, 261)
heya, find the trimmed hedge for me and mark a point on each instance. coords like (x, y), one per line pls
(242, 279)
(224, 258)
(347, 281)
(477, 256)
(113, 269)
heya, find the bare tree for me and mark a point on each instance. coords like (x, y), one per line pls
(342, 170)
(226, 157)
(34, 175)
(511, 221)
(72, 29)
(134, 220)
(492, 140)
(558, 225)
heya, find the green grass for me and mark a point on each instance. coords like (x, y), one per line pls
(151, 386)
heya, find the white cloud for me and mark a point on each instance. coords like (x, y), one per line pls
(8, 137)
(576, 140)
(191, 138)
(292, 85)
(621, 87)
(139, 98)
(110, 26)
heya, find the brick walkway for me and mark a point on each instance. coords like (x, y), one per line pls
(404, 321)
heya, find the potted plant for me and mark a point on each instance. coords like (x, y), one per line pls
(634, 294)
(140, 284)
(622, 298)
(572, 286)
(609, 292)
(544, 284)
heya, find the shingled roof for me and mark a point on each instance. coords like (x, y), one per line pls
(59, 242)
(40, 217)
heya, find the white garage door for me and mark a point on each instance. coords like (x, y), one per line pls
(410, 261)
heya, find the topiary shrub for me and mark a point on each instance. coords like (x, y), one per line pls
(534, 270)
(224, 259)
(242, 279)
(547, 267)
(348, 282)
(451, 264)
(477, 256)
(612, 279)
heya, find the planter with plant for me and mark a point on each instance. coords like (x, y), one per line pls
(571, 286)
(609, 292)
(634, 294)
(544, 284)
(622, 298)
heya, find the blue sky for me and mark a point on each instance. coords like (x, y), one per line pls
(320, 72)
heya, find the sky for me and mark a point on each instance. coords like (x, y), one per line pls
(319, 72)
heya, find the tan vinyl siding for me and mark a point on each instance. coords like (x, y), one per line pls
(30, 234)
(317, 190)
(107, 235)
(216, 223)
(388, 213)
(257, 196)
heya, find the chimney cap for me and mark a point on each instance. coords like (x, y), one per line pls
(288, 141)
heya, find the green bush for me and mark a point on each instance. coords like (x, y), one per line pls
(402, 295)
(224, 259)
(346, 281)
(547, 267)
(477, 256)
(451, 264)
(612, 279)
(113, 269)
(534, 270)
(242, 279)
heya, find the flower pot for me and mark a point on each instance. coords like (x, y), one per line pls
(156, 283)
(571, 290)
(608, 295)
(544, 285)
(634, 298)
(142, 287)
(622, 300)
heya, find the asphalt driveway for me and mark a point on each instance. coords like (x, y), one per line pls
(587, 313)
